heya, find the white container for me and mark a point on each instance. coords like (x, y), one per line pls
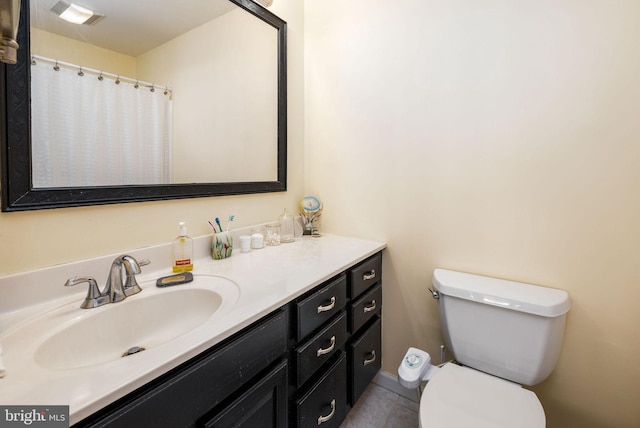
(257, 241)
(245, 243)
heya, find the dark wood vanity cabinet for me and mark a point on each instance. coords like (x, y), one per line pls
(365, 325)
(218, 381)
(336, 344)
(318, 385)
(304, 365)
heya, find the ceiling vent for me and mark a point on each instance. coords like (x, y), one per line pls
(75, 14)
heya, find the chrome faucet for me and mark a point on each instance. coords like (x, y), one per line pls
(94, 297)
(116, 289)
(132, 268)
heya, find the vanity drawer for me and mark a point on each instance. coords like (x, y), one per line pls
(325, 404)
(365, 359)
(365, 308)
(365, 275)
(319, 349)
(314, 310)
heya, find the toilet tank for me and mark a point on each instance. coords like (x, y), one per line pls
(505, 328)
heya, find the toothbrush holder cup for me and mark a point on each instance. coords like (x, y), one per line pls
(221, 245)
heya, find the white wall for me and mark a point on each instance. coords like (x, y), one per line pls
(499, 138)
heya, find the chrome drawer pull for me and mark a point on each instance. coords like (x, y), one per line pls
(370, 275)
(329, 306)
(370, 308)
(371, 360)
(329, 349)
(323, 419)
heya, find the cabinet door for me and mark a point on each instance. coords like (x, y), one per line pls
(365, 355)
(263, 405)
(325, 404)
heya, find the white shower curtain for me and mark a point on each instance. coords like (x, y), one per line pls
(91, 132)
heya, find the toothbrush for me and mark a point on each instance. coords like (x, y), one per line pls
(218, 223)
(212, 226)
(231, 218)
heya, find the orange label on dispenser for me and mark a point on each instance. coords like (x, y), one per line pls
(183, 262)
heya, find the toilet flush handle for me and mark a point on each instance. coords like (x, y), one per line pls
(435, 294)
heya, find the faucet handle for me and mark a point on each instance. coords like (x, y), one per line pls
(94, 297)
(132, 268)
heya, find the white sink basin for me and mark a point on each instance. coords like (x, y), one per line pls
(139, 323)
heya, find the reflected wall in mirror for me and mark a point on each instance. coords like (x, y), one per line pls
(225, 132)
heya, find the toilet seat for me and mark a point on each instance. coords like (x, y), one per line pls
(461, 397)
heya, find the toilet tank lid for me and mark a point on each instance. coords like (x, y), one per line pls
(517, 296)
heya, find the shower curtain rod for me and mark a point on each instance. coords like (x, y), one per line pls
(99, 73)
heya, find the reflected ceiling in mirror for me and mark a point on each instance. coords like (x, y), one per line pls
(228, 106)
(130, 27)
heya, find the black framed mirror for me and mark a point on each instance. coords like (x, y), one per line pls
(18, 191)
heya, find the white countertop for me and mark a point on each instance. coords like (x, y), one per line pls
(266, 278)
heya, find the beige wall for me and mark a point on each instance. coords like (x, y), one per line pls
(230, 72)
(30, 240)
(74, 52)
(496, 137)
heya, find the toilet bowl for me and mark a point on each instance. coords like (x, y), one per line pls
(461, 397)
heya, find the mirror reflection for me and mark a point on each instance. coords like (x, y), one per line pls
(189, 95)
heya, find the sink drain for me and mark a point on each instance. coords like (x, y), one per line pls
(133, 350)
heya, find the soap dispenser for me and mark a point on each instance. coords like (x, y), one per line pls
(286, 227)
(182, 250)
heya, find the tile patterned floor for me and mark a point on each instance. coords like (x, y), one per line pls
(380, 408)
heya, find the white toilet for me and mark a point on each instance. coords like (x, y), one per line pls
(502, 334)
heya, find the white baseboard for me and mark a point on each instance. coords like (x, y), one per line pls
(390, 382)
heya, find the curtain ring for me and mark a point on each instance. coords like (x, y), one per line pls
(81, 73)
(152, 88)
(118, 80)
(33, 60)
(56, 67)
(136, 85)
(100, 78)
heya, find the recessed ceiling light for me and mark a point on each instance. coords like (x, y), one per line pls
(76, 14)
